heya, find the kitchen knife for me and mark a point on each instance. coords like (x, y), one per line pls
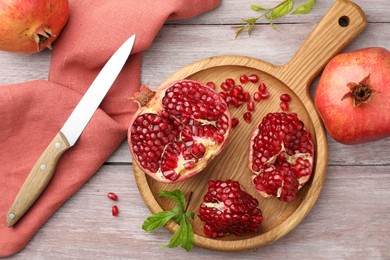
(43, 169)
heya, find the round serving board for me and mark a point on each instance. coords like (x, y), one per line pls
(294, 78)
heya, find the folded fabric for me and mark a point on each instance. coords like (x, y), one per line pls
(32, 113)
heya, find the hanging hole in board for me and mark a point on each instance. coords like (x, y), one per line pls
(344, 21)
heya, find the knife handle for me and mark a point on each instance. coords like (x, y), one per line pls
(38, 178)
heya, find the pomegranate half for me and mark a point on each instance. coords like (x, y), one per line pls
(281, 155)
(178, 129)
(31, 26)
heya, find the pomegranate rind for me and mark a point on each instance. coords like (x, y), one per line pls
(281, 170)
(212, 148)
(31, 26)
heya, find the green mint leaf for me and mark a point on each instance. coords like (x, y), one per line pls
(157, 220)
(304, 8)
(190, 215)
(179, 213)
(257, 8)
(175, 195)
(249, 20)
(183, 236)
(282, 9)
(176, 238)
(187, 235)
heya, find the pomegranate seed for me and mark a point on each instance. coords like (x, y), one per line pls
(247, 117)
(253, 78)
(250, 106)
(211, 85)
(112, 196)
(285, 97)
(115, 211)
(257, 96)
(234, 101)
(284, 105)
(247, 96)
(235, 122)
(236, 91)
(244, 79)
(262, 87)
(225, 86)
(265, 95)
(230, 82)
(223, 95)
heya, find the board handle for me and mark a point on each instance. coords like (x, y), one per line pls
(340, 25)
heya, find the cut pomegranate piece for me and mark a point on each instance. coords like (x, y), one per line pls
(281, 153)
(178, 129)
(229, 209)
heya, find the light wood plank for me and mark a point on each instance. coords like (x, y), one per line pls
(349, 221)
(231, 12)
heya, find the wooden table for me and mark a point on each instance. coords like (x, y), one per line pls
(351, 217)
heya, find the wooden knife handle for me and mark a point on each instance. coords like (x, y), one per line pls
(37, 179)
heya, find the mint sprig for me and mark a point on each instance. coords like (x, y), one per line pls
(184, 235)
(282, 9)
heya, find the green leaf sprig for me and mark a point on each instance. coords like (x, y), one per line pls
(184, 235)
(279, 10)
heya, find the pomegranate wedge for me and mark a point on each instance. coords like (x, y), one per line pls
(281, 153)
(178, 129)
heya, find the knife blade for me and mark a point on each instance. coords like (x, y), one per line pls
(44, 168)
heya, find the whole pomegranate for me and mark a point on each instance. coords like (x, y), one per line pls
(353, 96)
(281, 153)
(178, 129)
(29, 26)
(228, 209)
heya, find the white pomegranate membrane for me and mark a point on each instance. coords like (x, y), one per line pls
(178, 129)
(281, 153)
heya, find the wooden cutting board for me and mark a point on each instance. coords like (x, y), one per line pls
(343, 22)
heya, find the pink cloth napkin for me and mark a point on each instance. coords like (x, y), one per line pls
(32, 113)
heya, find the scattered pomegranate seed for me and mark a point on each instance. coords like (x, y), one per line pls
(225, 86)
(112, 196)
(115, 211)
(247, 96)
(223, 95)
(253, 78)
(236, 91)
(257, 96)
(247, 117)
(230, 82)
(285, 97)
(265, 95)
(250, 106)
(262, 87)
(211, 85)
(284, 105)
(235, 122)
(244, 79)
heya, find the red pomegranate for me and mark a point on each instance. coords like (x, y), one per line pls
(178, 129)
(281, 155)
(353, 96)
(228, 209)
(29, 26)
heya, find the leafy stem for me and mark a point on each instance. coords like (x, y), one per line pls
(282, 9)
(184, 235)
